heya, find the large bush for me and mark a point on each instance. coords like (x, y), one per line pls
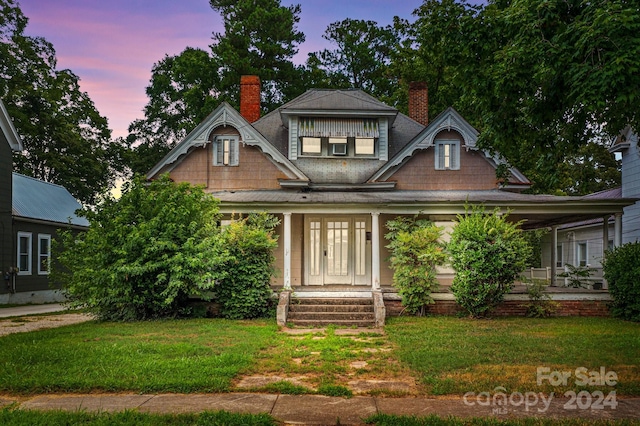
(416, 250)
(245, 264)
(487, 253)
(622, 271)
(144, 254)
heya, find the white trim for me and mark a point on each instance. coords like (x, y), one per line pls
(9, 130)
(29, 253)
(287, 250)
(44, 237)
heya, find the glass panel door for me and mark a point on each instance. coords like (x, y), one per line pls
(337, 256)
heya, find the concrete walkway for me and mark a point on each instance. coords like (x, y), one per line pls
(325, 410)
(19, 311)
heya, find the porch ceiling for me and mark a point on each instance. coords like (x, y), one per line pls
(536, 210)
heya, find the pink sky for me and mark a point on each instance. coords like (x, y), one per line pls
(112, 44)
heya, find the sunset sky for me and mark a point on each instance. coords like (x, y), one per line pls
(112, 44)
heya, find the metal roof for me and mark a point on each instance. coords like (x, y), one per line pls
(36, 199)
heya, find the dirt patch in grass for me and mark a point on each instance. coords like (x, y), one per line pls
(365, 361)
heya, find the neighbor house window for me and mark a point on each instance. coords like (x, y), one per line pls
(582, 254)
(559, 255)
(44, 253)
(447, 155)
(225, 151)
(24, 253)
(311, 145)
(365, 146)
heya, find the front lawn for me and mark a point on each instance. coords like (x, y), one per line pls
(444, 355)
(456, 355)
(201, 355)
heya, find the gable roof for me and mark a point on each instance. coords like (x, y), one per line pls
(39, 200)
(449, 119)
(225, 115)
(8, 131)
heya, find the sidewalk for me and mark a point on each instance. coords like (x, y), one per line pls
(19, 311)
(320, 410)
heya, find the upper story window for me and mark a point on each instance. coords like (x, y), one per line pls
(327, 137)
(225, 151)
(447, 155)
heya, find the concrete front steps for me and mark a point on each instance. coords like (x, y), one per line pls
(307, 312)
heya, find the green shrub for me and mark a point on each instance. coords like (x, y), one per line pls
(487, 253)
(415, 253)
(142, 256)
(244, 267)
(621, 268)
(540, 303)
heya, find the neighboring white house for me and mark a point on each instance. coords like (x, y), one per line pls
(627, 145)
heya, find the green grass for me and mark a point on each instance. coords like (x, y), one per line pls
(391, 420)
(445, 355)
(163, 356)
(132, 418)
(454, 355)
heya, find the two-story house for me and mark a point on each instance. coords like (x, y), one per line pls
(336, 165)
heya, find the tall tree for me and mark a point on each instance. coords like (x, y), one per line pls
(183, 90)
(260, 38)
(435, 48)
(566, 73)
(361, 57)
(66, 140)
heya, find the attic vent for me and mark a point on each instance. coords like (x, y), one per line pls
(329, 127)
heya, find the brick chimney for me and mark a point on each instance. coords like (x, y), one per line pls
(250, 97)
(419, 102)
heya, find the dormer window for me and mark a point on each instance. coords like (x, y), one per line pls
(338, 137)
(365, 146)
(312, 146)
(338, 146)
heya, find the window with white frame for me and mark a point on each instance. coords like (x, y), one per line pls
(582, 254)
(225, 151)
(44, 254)
(559, 256)
(24, 253)
(447, 155)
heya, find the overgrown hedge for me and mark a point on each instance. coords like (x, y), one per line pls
(621, 268)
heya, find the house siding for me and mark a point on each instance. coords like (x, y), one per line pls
(6, 234)
(254, 170)
(631, 189)
(419, 173)
(34, 281)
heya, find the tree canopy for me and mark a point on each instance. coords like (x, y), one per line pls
(66, 140)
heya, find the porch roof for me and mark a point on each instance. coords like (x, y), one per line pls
(536, 210)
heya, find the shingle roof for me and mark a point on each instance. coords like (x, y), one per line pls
(343, 100)
(36, 199)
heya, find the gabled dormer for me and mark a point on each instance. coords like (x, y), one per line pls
(338, 124)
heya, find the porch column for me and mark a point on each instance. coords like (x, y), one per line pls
(287, 250)
(617, 230)
(375, 251)
(554, 254)
(605, 233)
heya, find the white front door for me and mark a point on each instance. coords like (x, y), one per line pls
(338, 250)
